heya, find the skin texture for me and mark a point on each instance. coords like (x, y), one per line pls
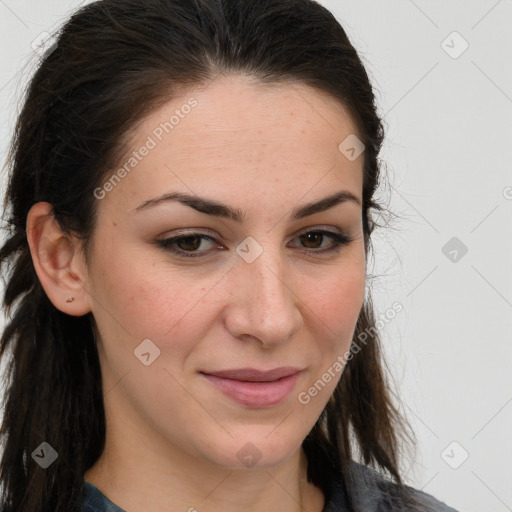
(172, 437)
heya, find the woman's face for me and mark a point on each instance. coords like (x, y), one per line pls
(251, 286)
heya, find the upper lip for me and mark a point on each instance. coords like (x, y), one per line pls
(254, 375)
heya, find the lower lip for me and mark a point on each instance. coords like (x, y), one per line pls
(255, 394)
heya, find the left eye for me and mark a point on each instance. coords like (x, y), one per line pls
(188, 245)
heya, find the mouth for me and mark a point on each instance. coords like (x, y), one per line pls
(255, 388)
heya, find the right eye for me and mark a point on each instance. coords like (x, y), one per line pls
(185, 245)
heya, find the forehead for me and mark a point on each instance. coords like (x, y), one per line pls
(239, 135)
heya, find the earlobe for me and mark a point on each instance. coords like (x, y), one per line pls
(57, 261)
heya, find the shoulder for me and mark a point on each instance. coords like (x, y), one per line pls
(95, 501)
(375, 493)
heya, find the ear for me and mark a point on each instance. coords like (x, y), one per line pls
(58, 261)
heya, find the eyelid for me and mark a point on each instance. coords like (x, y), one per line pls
(320, 227)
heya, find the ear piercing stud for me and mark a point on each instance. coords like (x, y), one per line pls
(70, 299)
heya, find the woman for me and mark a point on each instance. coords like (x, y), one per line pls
(190, 210)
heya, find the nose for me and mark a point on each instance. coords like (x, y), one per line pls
(264, 303)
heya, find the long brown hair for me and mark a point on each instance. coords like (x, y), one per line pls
(114, 62)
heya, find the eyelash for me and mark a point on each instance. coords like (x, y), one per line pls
(168, 243)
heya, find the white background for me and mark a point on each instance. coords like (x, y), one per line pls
(448, 161)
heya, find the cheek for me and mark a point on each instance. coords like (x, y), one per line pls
(335, 306)
(336, 302)
(171, 306)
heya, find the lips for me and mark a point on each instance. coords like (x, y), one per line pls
(252, 375)
(255, 388)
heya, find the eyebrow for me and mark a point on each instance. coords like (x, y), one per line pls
(211, 207)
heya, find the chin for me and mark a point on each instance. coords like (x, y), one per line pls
(253, 450)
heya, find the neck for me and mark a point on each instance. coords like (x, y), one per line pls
(177, 484)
